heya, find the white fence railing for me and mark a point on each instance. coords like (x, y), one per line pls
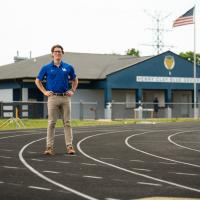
(93, 110)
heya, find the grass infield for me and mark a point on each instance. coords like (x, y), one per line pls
(42, 123)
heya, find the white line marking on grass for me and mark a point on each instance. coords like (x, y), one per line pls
(126, 170)
(45, 177)
(38, 188)
(152, 184)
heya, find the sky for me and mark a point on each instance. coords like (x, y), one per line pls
(94, 26)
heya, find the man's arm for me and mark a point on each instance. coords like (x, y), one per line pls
(74, 84)
(42, 89)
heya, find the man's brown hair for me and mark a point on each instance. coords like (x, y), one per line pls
(57, 46)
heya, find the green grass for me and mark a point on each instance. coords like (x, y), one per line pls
(42, 123)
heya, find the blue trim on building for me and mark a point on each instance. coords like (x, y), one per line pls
(126, 79)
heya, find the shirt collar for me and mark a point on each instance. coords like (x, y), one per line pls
(52, 64)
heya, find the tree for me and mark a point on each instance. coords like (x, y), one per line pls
(133, 52)
(189, 55)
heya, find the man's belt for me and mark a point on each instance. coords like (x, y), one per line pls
(60, 94)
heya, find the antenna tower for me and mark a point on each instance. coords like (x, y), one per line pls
(158, 31)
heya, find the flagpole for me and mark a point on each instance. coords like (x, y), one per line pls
(194, 68)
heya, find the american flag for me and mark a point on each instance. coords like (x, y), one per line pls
(185, 19)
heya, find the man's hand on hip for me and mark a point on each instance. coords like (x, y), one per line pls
(70, 93)
(48, 93)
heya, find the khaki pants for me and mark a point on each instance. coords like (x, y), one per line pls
(59, 105)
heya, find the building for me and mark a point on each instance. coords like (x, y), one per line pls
(123, 82)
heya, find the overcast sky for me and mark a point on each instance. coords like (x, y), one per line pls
(93, 26)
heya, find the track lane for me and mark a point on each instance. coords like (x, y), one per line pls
(80, 170)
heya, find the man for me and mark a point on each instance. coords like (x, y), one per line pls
(156, 106)
(57, 75)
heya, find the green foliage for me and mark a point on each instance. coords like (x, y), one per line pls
(133, 52)
(189, 55)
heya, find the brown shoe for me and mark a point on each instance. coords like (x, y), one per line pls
(70, 149)
(49, 151)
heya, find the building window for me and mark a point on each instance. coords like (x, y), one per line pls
(130, 100)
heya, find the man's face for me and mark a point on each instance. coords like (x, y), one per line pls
(57, 53)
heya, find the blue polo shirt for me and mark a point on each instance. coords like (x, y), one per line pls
(57, 78)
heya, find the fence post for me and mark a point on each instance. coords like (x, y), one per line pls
(140, 112)
(1, 109)
(108, 111)
(169, 112)
(81, 110)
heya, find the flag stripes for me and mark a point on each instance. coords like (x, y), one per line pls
(185, 19)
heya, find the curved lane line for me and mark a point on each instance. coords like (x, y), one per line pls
(126, 170)
(36, 133)
(176, 161)
(13, 136)
(170, 140)
(45, 177)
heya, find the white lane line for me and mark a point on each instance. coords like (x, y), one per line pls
(170, 140)
(1, 182)
(95, 177)
(120, 180)
(45, 177)
(17, 131)
(108, 158)
(153, 155)
(89, 164)
(168, 163)
(35, 159)
(72, 174)
(13, 136)
(6, 150)
(63, 162)
(126, 170)
(14, 184)
(111, 199)
(152, 184)
(38, 188)
(10, 167)
(136, 160)
(32, 152)
(7, 157)
(51, 172)
(181, 173)
(147, 170)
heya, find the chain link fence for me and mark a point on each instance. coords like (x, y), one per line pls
(92, 110)
(122, 110)
(38, 110)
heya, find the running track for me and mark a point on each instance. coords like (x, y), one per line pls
(112, 163)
